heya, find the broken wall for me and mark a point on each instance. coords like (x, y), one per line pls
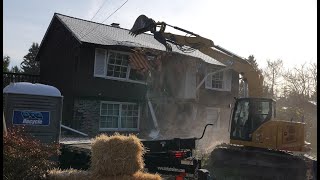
(182, 110)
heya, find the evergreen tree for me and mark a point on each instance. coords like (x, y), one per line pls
(29, 65)
(15, 69)
(6, 62)
(253, 62)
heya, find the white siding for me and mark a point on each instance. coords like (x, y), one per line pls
(213, 116)
(208, 83)
(228, 80)
(190, 83)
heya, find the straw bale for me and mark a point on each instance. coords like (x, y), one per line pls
(70, 174)
(146, 176)
(137, 176)
(73, 174)
(116, 155)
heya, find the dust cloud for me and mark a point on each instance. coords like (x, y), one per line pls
(188, 121)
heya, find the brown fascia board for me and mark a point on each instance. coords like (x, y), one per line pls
(45, 35)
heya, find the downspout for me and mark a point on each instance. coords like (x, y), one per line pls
(153, 115)
(154, 133)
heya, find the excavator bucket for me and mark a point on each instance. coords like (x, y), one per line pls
(142, 25)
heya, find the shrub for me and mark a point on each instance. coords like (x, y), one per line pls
(24, 157)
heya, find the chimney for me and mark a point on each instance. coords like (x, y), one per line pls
(115, 25)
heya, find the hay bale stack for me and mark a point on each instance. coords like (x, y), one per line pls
(70, 174)
(137, 176)
(116, 155)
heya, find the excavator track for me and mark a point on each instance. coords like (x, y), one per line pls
(234, 162)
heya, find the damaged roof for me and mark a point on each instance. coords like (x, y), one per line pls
(96, 33)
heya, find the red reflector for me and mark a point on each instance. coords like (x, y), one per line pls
(179, 154)
(181, 176)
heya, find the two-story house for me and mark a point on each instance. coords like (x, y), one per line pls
(105, 91)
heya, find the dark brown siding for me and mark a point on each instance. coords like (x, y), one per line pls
(68, 65)
(104, 89)
(57, 57)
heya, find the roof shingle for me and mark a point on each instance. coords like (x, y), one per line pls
(91, 32)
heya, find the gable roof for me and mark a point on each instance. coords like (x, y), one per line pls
(102, 34)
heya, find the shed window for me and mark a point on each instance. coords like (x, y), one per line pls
(119, 116)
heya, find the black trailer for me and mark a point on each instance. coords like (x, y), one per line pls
(170, 157)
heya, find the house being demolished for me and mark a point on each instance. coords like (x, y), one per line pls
(113, 82)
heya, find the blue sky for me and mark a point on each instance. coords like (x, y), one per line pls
(268, 29)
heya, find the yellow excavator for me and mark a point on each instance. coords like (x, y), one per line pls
(258, 140)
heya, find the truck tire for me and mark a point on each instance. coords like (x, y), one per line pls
(204, 174)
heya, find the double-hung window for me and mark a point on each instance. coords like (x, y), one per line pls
(119, 116)
(118, 65)
(220, 81)
(111, 64)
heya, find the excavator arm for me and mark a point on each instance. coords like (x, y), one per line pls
(253, 124)
(250, 75)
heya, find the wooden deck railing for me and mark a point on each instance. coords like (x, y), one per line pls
(19, 77)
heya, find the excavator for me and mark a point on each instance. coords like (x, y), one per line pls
(261, 146)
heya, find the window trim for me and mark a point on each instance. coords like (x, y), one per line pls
(224, 82)
(224, 79)
(107, 63)
(107, 54)
(94, 64)
(119, 122)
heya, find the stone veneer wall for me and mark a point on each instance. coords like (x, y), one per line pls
(87, 115)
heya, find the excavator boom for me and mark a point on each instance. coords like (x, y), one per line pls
(250, 75)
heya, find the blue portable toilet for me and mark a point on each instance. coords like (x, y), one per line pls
(37, 107)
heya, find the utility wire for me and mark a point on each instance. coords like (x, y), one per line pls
(94, 15)
(98, 10)
(104, 20)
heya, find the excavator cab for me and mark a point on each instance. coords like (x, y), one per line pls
(248, 115)
(254, 124)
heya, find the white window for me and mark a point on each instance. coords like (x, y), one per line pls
(220, 81)
(118, 65)
(115, 65)
(119, 116)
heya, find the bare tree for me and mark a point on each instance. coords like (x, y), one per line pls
(272, 75)
(313, 73)
(300, 81)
